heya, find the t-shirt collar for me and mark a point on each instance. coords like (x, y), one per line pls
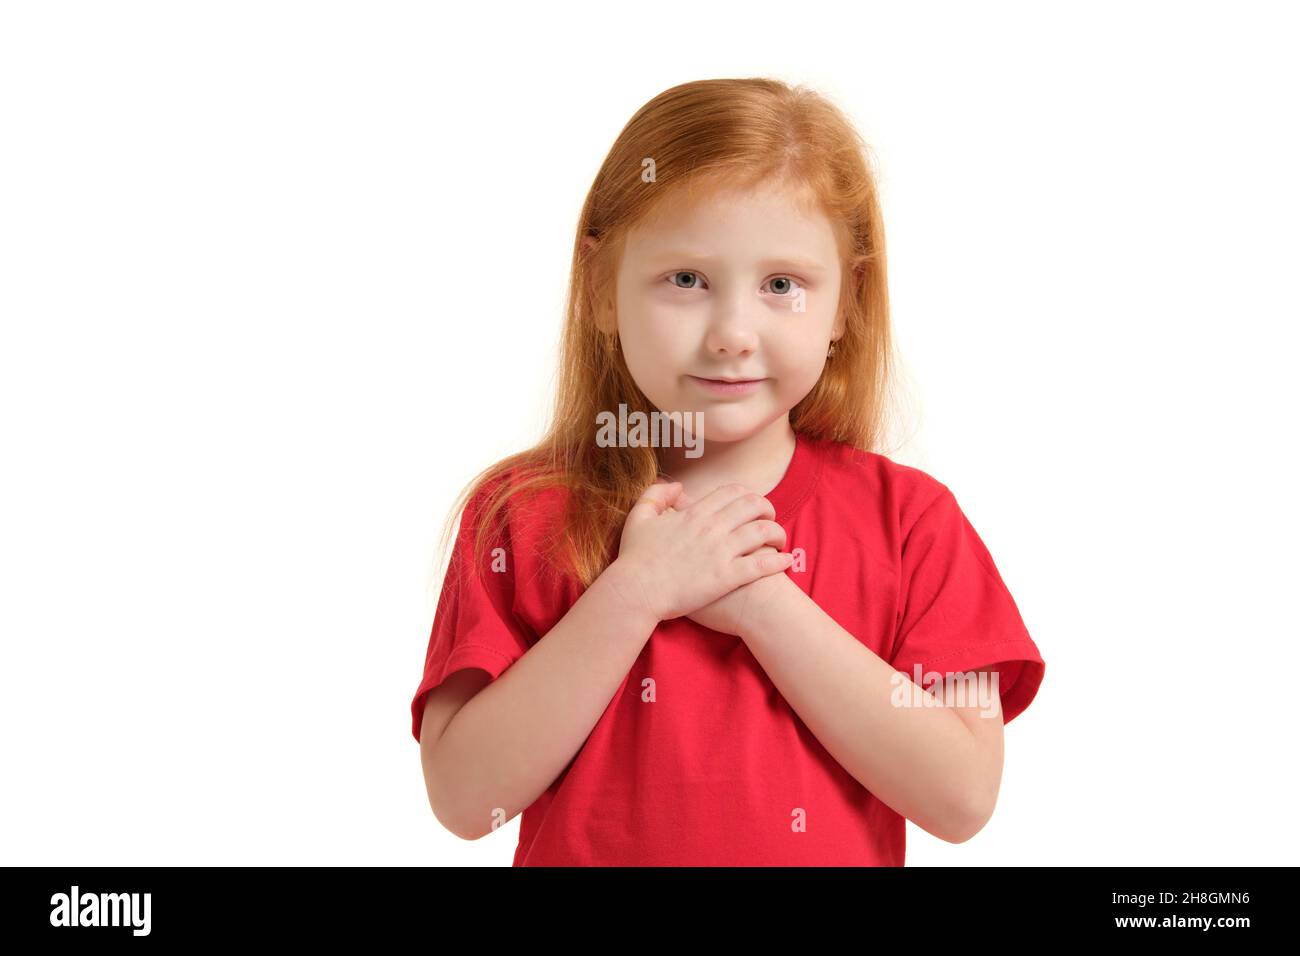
(799, 479)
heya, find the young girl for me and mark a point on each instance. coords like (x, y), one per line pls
(770, 653)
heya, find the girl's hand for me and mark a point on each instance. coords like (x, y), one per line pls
(734, 612)
(731, 613)
(681, 556)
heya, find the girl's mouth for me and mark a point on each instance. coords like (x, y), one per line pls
(721, 387)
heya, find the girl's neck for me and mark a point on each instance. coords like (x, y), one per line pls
(758, 462)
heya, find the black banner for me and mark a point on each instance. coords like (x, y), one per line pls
(936, 906)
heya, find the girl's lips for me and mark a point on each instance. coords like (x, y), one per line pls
(727, 388)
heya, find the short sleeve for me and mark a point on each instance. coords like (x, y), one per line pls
(475, 624)
(955, 612)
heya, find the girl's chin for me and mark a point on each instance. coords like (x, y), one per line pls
(731, 428)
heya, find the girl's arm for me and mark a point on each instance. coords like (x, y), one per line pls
(508, 743)
(939, 766)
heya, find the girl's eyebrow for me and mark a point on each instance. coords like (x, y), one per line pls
(797, 263)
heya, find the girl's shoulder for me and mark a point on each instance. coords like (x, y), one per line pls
(520, 527)
(526, 512)
(851, 472)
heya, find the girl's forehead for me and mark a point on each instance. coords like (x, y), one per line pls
(709, 194)
(699, 206)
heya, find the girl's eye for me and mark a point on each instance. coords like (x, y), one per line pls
(693, 276)
(784, 289)
(781, 285)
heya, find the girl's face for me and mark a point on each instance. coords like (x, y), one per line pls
(732, 285)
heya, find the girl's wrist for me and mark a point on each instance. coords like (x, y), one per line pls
(626, 588)
(769, 592)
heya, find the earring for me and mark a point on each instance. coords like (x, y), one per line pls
(831, 351)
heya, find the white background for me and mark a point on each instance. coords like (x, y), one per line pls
(277, 279)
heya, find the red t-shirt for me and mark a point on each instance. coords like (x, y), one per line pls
(716, 770)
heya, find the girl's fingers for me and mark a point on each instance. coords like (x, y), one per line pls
(757, 533)
(760, 564)
(658, 498)
(771, 562)
(745, 508)
(719, 498)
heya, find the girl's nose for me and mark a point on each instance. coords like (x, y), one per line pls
(731, 340)
(733, 328)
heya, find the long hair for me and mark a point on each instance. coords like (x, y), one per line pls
(697, 136)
